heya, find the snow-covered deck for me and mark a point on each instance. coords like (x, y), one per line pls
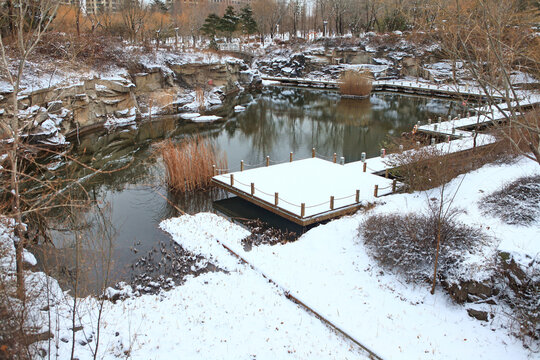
(313, 190)
(304, 188)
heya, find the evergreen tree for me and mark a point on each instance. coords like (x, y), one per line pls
(229, 22)
(248, 23)
(211, 25)
(159, 5)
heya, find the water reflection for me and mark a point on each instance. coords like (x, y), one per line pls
(284, 120)
(275, 122)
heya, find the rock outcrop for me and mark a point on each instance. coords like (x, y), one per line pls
(122, 100)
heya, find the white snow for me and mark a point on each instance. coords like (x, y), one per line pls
(29, 258)
(328, 269)
(309, 181)
(236, 314)
(190, 116)
(113, 122)
(205, 119)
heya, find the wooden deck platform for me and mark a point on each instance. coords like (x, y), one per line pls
(307, 191)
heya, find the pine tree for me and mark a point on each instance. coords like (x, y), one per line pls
(211, 25)
(229, 22)
(159, 5)
(248, 24)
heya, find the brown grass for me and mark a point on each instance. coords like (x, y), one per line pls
(199, 96)
(428, 167)
(355, 83)
(189, 165)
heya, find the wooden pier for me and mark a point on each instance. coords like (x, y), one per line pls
(399, 86)
(307, 191)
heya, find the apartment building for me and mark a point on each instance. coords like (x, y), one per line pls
(97, 6)
(225, 2)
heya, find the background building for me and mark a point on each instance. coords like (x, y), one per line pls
(97, 6)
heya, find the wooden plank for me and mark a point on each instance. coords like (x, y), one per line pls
(346, 210)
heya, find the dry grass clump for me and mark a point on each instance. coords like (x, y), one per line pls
(405, 244)
(517, 203)
(356, 83)
(189, 165)
(426, 167)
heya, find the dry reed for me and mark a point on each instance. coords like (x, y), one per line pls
(355, 83)
(189, 165)
(199, 97)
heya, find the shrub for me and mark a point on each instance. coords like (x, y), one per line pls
(406, 244)
(428, 167)
(521, 286)
(86, 49)
(515, 203)
(355, 83)
(188, 165)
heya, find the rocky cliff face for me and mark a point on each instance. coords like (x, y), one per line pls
(56, 111)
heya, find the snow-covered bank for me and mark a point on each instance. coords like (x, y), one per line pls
(232, 315)
(237, 313)
(329, 269)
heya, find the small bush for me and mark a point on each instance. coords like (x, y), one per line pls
(188, 165)
(406, 244)
(517, 203)
(87, 49)
(520, 288)
(356, 83)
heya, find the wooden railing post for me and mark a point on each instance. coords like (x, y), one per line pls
(313, 152)
(335, 158)
(394, 183)
(365, 166)
(290, 157)
(232, 179)
(276, 199)
(331, 203)
(302, 210)
(268, 161)
(376, 191)
(386, 173)
(214, 170)
(252, 189)
(241, 165)
(357, 199)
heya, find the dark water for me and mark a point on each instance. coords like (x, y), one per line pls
(132, 201)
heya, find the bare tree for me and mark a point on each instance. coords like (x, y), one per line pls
(495, 41)
(31, 19)
(267, 14)
(133, 14)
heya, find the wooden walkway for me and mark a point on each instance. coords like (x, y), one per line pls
(399, 86)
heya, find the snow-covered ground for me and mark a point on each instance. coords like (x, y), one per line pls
(329, 270)
(233, 314)
(239, 313)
